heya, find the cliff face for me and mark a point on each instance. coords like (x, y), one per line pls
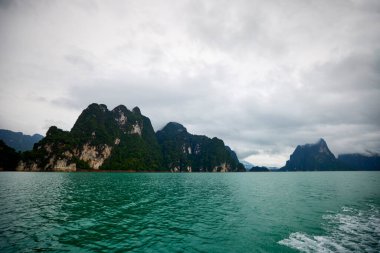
(121, 139)
(100, 139)
(184, 152)
(54, 152)
(313, 157)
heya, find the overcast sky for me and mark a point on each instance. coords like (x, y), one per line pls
(264, 76)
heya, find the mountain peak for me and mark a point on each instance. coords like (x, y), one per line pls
(319, 143)
(174, 127)
(95, 106)
(186, 152)
(120, 108)
(315, 156)
(322, 142)
(323, 146)
(136, 110)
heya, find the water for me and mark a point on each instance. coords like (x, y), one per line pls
(162, 212)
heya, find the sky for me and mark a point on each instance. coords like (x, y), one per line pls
(264, 76)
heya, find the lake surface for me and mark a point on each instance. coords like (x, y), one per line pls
(199, 212)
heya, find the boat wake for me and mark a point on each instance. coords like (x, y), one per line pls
(351, 230)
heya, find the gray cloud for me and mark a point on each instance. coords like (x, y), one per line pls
(5, 3)
(264, 76)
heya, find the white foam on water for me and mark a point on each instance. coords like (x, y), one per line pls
(350, 230)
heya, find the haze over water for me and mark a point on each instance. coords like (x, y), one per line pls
(200, 212)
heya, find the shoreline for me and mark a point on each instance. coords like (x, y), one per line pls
(184, 172)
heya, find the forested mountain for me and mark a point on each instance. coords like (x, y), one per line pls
(18, 140)
(123, 139)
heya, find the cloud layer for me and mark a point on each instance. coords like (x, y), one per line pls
(262, 75)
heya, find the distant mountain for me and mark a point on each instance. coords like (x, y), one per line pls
(18, 140)
(185, 152)
(361, 161)
(313, 157)
(259, 169)
(9, 158)
(247, 165)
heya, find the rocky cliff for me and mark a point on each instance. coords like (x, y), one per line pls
(313, 157)
(123, 139)
(185, 152)
(100, 139)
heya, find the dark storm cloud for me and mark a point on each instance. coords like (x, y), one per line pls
(264, 76)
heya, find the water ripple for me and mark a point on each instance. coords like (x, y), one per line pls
(117, 212)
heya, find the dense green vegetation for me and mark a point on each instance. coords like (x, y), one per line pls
(131, 144)
(9, 158)
(96, 125)
(313, 157)
(135, 153)
(56, 143)
(18, 140)
(183, 151)
(124, 139)
(128, 133)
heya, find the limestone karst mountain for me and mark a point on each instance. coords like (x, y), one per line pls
(122, 139)
(183, 151)
(313, 157)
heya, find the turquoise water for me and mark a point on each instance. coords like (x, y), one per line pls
(199, 212)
